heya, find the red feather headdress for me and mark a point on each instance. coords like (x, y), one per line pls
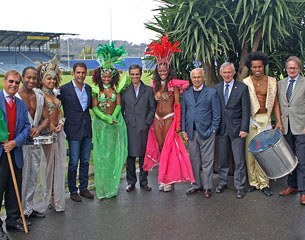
(163, 51)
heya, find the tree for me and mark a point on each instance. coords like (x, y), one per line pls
(212, 32)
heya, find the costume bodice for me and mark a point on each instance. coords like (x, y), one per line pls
(103, 98)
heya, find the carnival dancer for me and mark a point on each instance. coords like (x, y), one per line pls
(164, 145)
(53, 173)
(32, 154)
(109, 129)
(264, 101)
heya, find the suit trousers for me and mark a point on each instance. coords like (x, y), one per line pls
(131, 175)
(238, 148)
(297, 145)
(7, 189)
(202, 158)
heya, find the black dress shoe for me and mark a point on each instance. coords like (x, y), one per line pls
(28, 222)
(130, 187)
(251, 189)
(18, 227)
(36, 214)
(3, 235)
(221, 188)
(193, 190)
(240, 193)
(146, 187)
(267, 191)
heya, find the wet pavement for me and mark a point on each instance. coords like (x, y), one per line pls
(174, 215)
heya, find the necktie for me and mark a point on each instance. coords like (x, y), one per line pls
(289, 89)
(10, 101)
(226, 94)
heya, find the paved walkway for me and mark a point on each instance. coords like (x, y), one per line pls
(157, 215)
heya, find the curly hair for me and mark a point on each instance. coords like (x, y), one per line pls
(157, 79)
(254, 56)
(97, 78)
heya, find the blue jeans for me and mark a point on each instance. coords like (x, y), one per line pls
(79, 150)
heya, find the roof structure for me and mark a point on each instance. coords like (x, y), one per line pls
(14, 39)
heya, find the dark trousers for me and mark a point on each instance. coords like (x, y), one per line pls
(297, 145)
(238, 148)
(131, 175)
(7, 189)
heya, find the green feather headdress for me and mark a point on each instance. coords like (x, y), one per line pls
(107, 55)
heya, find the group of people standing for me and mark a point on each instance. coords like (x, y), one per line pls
(132, 120)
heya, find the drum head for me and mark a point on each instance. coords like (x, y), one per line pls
(264, 140)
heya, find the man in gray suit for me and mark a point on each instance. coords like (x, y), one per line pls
(291, 94)
(138, 107)
(200, 121)
(234, 128)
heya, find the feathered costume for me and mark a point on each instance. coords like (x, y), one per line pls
(174, 162)
(109, 139)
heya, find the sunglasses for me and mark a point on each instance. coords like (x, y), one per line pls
(12, 81)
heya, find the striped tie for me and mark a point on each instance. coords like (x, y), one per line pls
(289, 89)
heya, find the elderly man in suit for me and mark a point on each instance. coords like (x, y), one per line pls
(76, 100)
(138, 107)
(18, 126)
(200, 121)
(291, 94)
(234, 128)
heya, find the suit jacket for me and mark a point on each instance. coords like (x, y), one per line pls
(78, 122)
(235, 116)
(205, 113)
(22, 130)
(138, 113)
(293, 111)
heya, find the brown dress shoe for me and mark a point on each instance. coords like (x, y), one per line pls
(207, 193)
(75, 197)
(287, 191)
(86, 194)
(130, 187)
(302, 199)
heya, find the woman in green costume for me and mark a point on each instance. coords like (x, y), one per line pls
(109, 130)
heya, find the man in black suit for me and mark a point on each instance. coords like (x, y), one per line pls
(234, 127)
(138, 107)
(76, 99)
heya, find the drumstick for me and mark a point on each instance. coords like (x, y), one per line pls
(17, 191)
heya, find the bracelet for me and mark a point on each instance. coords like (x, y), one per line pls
(61, 121)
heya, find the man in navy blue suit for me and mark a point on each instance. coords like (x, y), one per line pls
(15, 114)
(200, 121)
(234, 128)
(76, 100)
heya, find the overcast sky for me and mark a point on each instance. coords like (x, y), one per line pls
(89, 18)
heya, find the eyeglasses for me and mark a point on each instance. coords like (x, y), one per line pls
(12, 81)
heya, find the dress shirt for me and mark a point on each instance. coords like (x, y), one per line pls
(82, 95)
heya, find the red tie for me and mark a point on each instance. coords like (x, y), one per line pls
(10, 102)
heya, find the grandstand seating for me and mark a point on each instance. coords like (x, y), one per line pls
(92, 64)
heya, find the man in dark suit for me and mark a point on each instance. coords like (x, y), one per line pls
(76, 98)
(138, 107)
(15, 115)
(234, 128)
(291, 93)
(200, 121)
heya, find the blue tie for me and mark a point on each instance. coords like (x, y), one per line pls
(226, 94)
(289, 89)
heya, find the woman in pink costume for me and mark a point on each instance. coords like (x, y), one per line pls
(164, 145)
